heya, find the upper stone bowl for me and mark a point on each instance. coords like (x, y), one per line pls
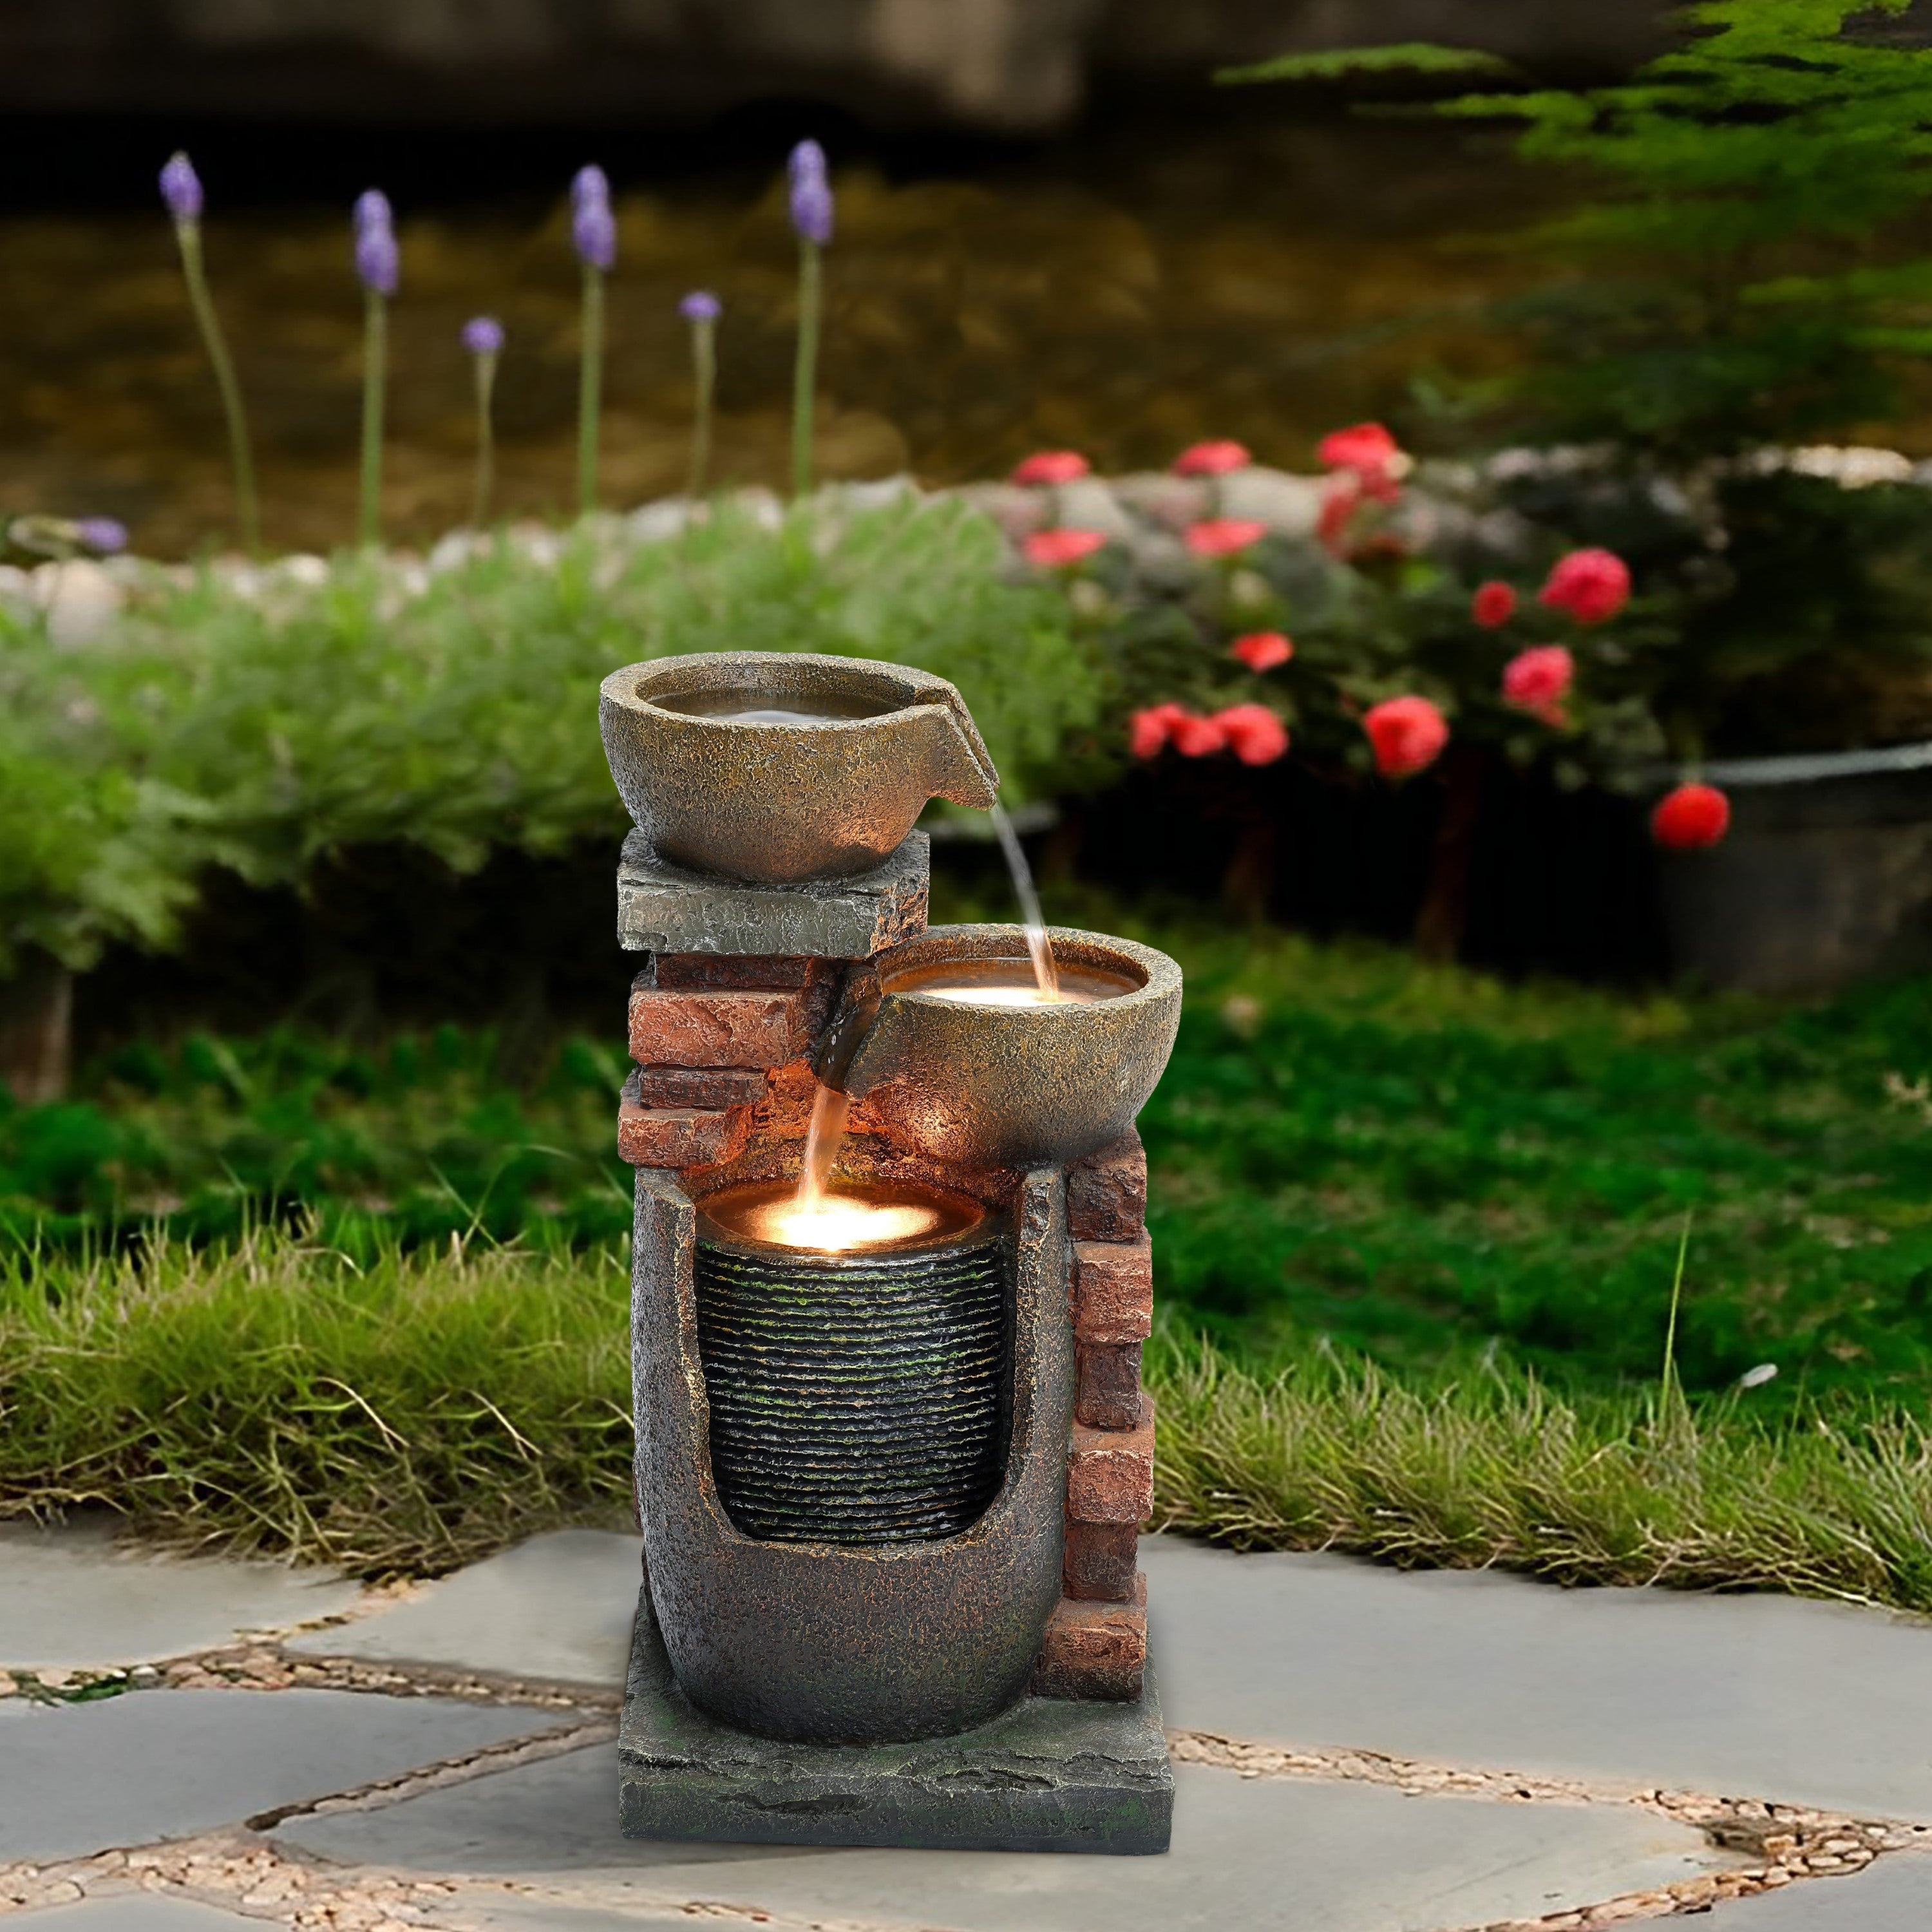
(776, 766)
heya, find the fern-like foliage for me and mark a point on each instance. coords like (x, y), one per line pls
(1744, 266)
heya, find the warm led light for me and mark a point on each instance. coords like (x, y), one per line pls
(970, 995)
(836, 1223)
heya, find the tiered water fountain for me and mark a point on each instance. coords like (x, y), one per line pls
(890, 1283)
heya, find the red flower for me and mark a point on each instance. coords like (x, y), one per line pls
(1052, 466)
(1494, 604)
(1364, 447)
(1255, 734)
(1692, 816)
(1148, 731)
(1224, 536)
(1211, 459)
(1338, 506)
(1539, 680)
(1198, 737)
(1262, 650)
(1054, 550)
(1406, 734)
(1590, 584)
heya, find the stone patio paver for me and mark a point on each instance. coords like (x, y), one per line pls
(1759, 1695)
(70, 1598)
(79, 1778)
(1269, 1855)
(1894, 1895)
(137, 1912)
(558, 1607)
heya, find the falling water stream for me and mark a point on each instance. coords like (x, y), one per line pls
(812, 1204)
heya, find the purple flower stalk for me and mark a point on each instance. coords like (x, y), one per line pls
(378, 264)
(812, 218)
(593, 233)
(483, 335)
(181, 188)
(106, 536)
(701, 309)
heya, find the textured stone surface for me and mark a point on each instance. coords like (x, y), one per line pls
(1113, 1290)
(663, 908)
(1107, 1384)
(161, 1764)
(141, 1912)
(716, 1026)
(1042, 1777)
(1101, 1559)
(557, 1608)
(71, 1599)
(678, 1137)
(1894, 1895)
(833, 1644)
(1249, 1855)
(1110, 1472)
(828, 797)
(1106, 1193)
(695, 1086)
(726, 969)
(1094, 1649)
(1749, 1695)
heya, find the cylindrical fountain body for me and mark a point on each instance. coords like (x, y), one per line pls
(858, 1398)
(827, 1641)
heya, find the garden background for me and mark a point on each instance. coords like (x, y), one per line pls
(1490, 1229)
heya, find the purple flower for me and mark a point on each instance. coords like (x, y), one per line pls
(181, 188)
(589, 184)
(483, 335)
(104, 536)
(372, 211)
(593, 229)
(807, 158)
(700, 305)
(377, 261)
(811, 207)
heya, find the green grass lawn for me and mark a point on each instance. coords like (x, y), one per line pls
(1417, 1163)
(1416, 1234)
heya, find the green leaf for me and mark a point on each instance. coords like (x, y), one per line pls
(1339, 63)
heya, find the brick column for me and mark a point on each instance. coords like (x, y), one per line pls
(1096, 1642)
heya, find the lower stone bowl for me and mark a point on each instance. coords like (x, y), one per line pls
(1010, 1086)
(779, 766)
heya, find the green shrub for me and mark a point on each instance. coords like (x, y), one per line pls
(256, 724)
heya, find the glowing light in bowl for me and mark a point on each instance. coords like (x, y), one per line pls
(836, 1223)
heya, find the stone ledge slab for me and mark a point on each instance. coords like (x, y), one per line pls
(665, 908)
(1047, 1776)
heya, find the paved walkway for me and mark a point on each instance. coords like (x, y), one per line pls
(189, 1746)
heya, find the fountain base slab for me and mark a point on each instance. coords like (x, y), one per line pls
(1048, 1775)
(666, 908)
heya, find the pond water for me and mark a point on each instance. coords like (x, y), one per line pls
(1125, 293)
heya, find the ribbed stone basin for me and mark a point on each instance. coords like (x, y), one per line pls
(858, 1397)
